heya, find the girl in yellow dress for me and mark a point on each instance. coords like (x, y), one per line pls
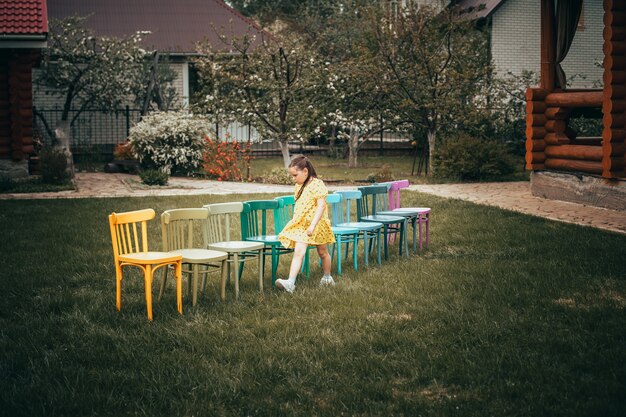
(310, 224)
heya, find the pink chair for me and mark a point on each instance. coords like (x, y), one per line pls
(394, 205)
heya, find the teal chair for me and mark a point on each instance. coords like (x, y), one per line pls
(369, 232)
(343, 234)
(282, 215)
(373, 201)
(258, 224)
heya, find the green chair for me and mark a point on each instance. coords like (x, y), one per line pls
(369, 232)
(255, 227)
(220, 237)
(373, 200)
(178, 228)
(343, 234)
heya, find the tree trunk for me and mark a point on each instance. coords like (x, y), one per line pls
(431, 148)
(353, 149)
(63, 135)
(284, 149)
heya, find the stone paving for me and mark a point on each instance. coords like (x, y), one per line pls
(509, 195)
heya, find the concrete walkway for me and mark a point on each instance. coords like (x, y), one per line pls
(514, 196)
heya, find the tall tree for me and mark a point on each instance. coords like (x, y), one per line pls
(270, 84)
(438, 66)
(88, 71)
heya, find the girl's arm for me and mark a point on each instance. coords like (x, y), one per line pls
(321, 205)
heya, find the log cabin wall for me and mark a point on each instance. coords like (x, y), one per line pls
(550, 143)
(16, 103)
(614, 102)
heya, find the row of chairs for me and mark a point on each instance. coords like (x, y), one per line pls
(378, 215)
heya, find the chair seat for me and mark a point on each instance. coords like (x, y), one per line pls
(383, 219)
(200, 256)
(399, 212)
(236, 246)
(267, 239)
(344, 230)
(420, 210)
(150, 257)
(362, 225)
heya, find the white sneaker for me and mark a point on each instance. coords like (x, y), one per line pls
(327, 281)
(285, 284)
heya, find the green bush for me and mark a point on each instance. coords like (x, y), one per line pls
(154, 177)
(277, 176)
(53, 166)
(468, 158)
(383, 174)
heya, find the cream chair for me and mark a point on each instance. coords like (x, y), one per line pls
(220, 237)
(178, 227)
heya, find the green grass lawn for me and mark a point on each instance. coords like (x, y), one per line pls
(504, 315)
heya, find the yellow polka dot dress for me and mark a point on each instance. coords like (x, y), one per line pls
(303, 213)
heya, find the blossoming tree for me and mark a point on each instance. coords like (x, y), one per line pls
(88, 71)
(275, 86)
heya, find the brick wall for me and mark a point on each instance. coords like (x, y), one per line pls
(515, 40)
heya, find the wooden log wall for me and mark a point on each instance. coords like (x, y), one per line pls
(614, 102)
(535, 128)
(16, 103)
(549, 141)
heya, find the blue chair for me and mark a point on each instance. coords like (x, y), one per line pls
(368, 231)
(343, 234)
(373, 200)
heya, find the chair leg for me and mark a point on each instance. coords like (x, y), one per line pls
(194, 297)
(118, 287)
(261, 256)
(339, 255)
(378, 243)
(179, 287)
(236, 268)
(366, 247)
(148, 284)
(223, 279)
(163, 280)
(355, 252)
(274, 264)
(386, 234)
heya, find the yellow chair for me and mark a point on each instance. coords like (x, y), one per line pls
(129, 234)
(177, 229)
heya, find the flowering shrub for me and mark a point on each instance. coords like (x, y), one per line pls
(225, 160)
(170, 141)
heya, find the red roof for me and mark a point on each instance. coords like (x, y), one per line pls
(23, 17)
(175, 25)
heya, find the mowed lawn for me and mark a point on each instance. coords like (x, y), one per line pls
(504, 315)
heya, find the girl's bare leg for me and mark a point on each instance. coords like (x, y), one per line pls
(298, 256)
(322, 251)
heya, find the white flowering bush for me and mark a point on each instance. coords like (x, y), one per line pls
(170, 141)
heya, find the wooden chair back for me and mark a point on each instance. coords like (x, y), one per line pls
(349, 199)
(180, 226)
(129, 231)
(255, 218)
(222, 218)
